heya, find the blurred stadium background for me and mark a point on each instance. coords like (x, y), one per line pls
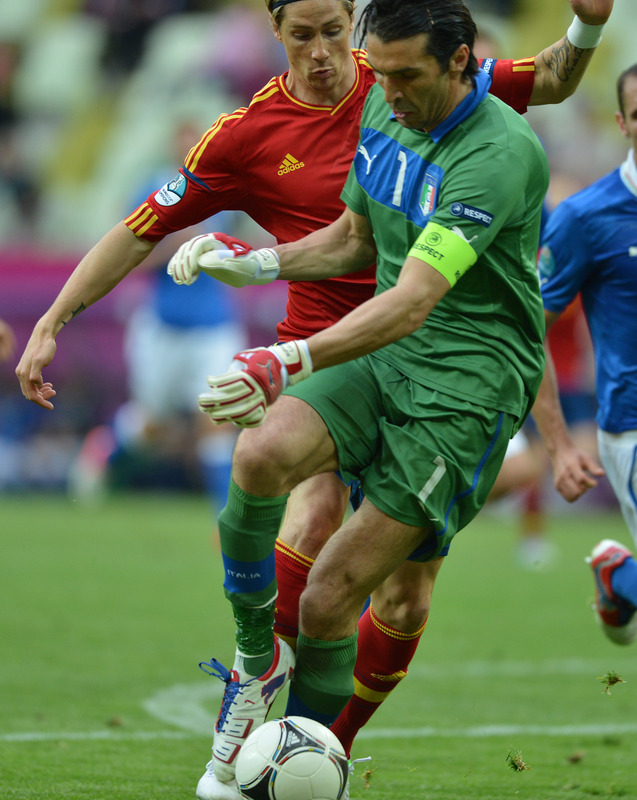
(91, 94)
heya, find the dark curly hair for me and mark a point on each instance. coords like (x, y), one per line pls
(448, 24)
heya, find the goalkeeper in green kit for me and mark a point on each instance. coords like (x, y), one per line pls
(417, 391)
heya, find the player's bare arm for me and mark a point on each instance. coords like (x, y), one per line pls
(574, 471)
(103, 267)
(256, 377)
(347, 245)
(560, 67)
(383, 319)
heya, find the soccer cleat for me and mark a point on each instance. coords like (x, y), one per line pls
(616, 616)
(245, 705)
(350, 765)
(211, 788)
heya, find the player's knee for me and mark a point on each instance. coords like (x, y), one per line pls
(405, 612)
(307, 529)
(316, 611)
(322, 513)
(306, 540)
(326, 611)
(257, 464)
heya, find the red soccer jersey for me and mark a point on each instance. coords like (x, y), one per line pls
(511, 81)
(285, 162)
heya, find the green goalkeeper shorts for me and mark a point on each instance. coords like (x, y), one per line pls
(423, 457)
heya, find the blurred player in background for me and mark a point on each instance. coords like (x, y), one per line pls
(571, 352)
(7, 341)
(172, 343)
(284, 161)
(590, 246)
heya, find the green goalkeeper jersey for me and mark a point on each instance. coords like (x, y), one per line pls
(467, 198)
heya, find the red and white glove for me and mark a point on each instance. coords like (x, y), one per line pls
(184, 266)
(225, 258)
(254, 381)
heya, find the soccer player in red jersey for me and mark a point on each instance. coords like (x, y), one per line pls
(284, 160)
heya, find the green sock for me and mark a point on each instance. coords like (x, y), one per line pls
(248, 527)
(323, 678)
(255, 639)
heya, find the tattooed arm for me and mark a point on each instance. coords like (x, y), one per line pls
(560, 67)
(101, 269)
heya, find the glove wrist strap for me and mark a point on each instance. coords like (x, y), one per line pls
(269, 265)
(295, 359)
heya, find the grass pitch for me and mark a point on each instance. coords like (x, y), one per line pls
(514, 692)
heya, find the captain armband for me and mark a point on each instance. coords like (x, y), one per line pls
(445, 251)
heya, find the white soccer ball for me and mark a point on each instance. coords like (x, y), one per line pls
(292, 758)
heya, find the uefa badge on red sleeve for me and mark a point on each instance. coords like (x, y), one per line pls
(172, 192)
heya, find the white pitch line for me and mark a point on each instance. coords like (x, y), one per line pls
(520, 669)
(490, 731)
(487, 731)
(85, 736)
(191, 708)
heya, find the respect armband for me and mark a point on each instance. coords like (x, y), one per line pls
(447, 252)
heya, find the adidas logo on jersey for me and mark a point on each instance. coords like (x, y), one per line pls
(289, 164)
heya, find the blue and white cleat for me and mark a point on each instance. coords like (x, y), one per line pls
(615, 615)
(245, 705)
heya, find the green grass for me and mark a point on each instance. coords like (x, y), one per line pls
(105, 613)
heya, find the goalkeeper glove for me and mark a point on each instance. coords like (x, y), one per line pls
(254, 381)
(225, 258)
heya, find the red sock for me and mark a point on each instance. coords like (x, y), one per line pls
(292, 569)
(532, 511)
(383, 657)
